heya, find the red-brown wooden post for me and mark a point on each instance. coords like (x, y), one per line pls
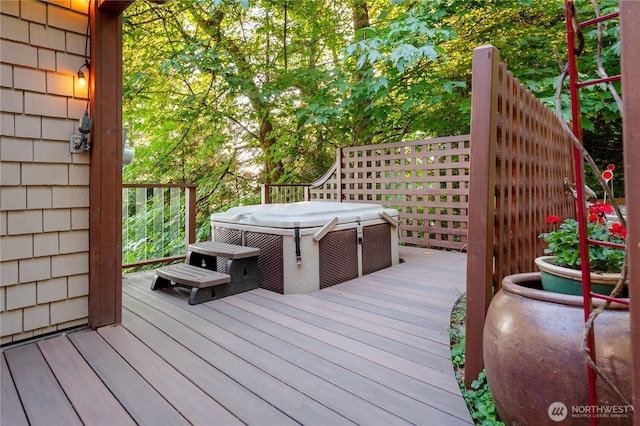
(630, 62)
(339, 174)
(265, 194)
(105, 188)
(190, 215)
(484, 104)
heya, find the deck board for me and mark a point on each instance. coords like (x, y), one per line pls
(246, 405)
(410, 315)
(81, 385)
(377, 373)
(370, 351)
(236, 360)
(43, 399)
(363, 350)
(194, 404)
(352, 333)
(409, 408)
(136, 395)
(345, 317)
(286, 362)
(10, 405)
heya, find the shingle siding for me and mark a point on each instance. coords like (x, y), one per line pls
(44, 215)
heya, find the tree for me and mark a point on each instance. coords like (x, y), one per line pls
(230, 94)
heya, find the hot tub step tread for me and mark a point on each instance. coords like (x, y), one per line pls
(192, 276)
(230, 251)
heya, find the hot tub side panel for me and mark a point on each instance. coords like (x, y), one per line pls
(270, 261)
(338, 257)
(376, 248)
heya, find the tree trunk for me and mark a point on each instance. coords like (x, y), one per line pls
(273, 169)
(360, 115)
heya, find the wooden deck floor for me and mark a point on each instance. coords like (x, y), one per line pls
(373, 351)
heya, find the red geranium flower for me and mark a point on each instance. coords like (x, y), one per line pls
(598, 210)
(553, 220)
(618, 231)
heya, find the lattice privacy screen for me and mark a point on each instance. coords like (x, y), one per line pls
(427, 181)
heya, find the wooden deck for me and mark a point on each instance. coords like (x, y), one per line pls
(373, 351)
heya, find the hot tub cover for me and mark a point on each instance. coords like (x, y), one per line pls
(305, 214)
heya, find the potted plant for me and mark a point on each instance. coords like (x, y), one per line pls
(534, 363)
(561, 269)
(533, 332)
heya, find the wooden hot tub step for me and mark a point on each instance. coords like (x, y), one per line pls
(241, 263)
(208, 250)
(202, 281)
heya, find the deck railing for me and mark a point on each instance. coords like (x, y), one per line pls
(426, 180)
(520, 157)
(284, 193)
(158, 222)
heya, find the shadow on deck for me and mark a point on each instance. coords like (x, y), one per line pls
(372, 351)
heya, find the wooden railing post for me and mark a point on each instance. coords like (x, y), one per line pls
(339, 174)
(484, 104)
(190, 216)
(265, 194)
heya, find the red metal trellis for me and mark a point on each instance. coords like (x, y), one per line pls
(574, 32)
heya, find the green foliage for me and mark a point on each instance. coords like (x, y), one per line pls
(153, 225)
(478, 398)
(480, 402)
(232, 94)
(564, 243)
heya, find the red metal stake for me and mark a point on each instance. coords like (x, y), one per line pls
(571, 19)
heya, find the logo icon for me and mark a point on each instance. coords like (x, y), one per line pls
(557, 411)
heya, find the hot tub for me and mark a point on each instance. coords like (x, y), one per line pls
(311, 245)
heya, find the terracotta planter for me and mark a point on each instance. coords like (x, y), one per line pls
(560, 279)
(532, 341)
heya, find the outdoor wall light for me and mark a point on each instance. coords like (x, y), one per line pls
(82, 81)
(79, 142)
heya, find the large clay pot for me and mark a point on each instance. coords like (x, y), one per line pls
(532, 341)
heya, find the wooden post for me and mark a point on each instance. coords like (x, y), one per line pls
(484, 105)
(190, 215)
(630, 61)
(105, 188)
(339, 174)
(265, 194)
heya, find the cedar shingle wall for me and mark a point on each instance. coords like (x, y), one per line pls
(44, 195)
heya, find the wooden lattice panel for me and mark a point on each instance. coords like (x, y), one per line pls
(427, 181)
(533, 157)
